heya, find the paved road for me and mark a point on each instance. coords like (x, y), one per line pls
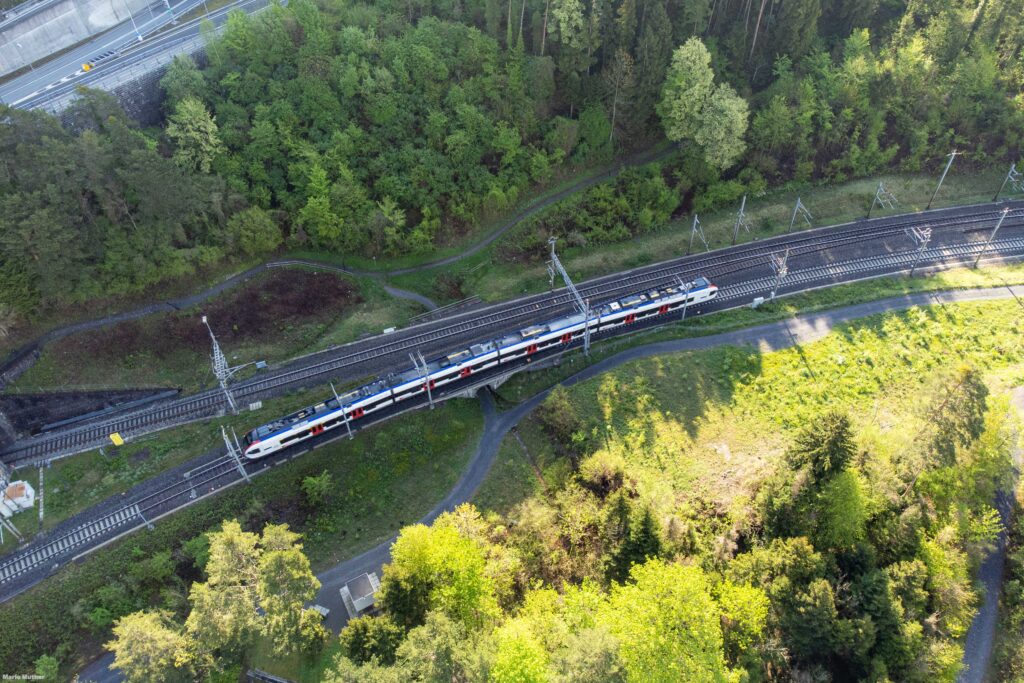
(69, 64)
(801, 329)
(981, 635)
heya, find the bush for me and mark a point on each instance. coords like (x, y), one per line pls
(316, 490)
(638, 201)
(253, 232)
(374, 639)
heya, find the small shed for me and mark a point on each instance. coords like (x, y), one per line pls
(18, 496)
(358, 594)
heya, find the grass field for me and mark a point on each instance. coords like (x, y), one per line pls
(388, 476)
(527, 384)
(75, 483)
(485, 276)
(297, 667)
(703, 426)
(59, 316)
(524, 467)
(88, 478)
(274, 317)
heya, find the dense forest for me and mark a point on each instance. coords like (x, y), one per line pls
(394, 127)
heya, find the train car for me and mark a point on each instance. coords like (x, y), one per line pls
(459, 365)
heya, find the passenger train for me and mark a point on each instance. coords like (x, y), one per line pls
(387, 391)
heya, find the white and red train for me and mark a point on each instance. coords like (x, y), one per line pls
(457, 366)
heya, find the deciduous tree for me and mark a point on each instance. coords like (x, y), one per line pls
(436, 568)
(693, 109)
(146, 647)
(667, 624)
(724, 123)
(195, 135)
(253, 232)
(373, 639)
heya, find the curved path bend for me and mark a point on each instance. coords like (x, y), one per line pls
(16, 357)
(800, 329)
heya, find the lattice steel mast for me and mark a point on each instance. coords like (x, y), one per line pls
(921, 236)
(221, 370)
(583, 305)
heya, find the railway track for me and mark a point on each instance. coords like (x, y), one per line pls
(27, 565)
(365, 358)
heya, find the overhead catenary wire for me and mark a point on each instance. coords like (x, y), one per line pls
(178, 411)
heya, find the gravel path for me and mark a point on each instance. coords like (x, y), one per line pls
(802, 329)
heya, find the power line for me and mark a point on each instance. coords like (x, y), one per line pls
(555, 265)
(781, 268)
(235, 452)
(221, 370)
(686, 296)
(1015, 178)
(741, 221)
(921, 236)
(802, 210)
(992, 236)
(421, 366)
(951, 155)
(582, 305)
(884, 198)
(698, 231)
(344, 413)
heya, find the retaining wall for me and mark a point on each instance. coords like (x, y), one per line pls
(58, 25)
(137, 87)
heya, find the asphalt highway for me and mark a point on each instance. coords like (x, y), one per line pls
(64, 72)
(69, 64)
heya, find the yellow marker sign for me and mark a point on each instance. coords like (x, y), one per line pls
(86, 66)
(116, 438)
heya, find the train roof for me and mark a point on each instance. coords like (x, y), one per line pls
(532, 331)
(478, 349)
(297, 416)
(566, 321)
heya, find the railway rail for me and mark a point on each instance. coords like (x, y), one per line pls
(27, 565)
(362, 359)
